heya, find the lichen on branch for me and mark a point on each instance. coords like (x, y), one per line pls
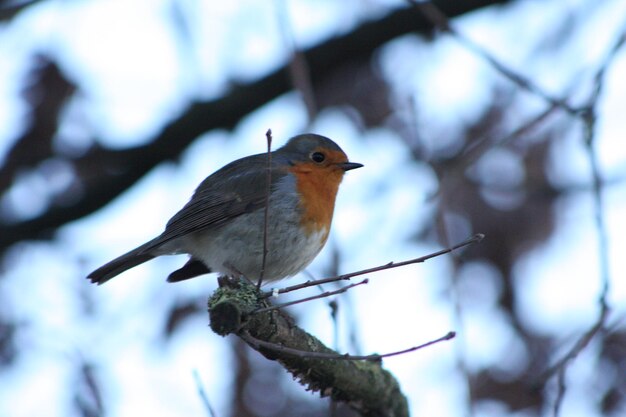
(363, 385)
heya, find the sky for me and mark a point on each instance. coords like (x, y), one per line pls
(139, 71)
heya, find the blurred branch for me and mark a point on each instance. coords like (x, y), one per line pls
(589, 119)
(203, 395)
(440, 19)
(561, 366)
(364, 386)
(105, 173)
(8, 12)
(462, 205)
(299, 70)
(88, 395)
(8, 344)
(476, 149)
(46, 93)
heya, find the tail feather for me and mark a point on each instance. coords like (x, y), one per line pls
(191, 269)
(120, 264)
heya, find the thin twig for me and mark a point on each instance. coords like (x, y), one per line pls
(203, 396)
(257, 343)
(474, 239)
(314, 297)
(268, 136)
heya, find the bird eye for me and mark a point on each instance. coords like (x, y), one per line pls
(318, 157)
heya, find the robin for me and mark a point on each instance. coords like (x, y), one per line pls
(222, 227)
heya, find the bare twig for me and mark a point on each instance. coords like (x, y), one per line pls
(337, 356)
(268, 136)
(315, 297)
(203, 396)
(474, 239)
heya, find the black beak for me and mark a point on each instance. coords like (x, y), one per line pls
(347, 166)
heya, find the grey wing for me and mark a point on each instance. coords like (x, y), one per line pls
(212, 205)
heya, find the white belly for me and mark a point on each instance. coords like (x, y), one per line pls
(238, 248)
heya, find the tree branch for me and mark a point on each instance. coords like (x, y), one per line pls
(364, 386)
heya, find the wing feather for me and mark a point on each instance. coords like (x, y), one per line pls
(220, 198)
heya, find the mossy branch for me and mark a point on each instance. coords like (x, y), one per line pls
(363, 385)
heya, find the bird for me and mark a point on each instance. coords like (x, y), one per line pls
(223, 226)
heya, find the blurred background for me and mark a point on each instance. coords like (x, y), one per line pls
(506, 120)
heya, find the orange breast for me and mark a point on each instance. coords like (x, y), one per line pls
(317, 187)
